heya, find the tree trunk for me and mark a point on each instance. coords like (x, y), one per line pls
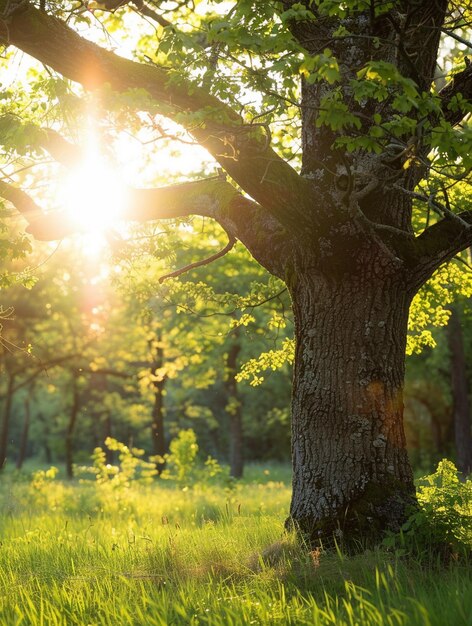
(439, 418)
(157, 424)
(100, 386)
(69, 440)
(351, 473)
(437, 437)
(234, 409)
(6, 421)
(460, 395)
(108, 432)
(45, 437)
(24, 435)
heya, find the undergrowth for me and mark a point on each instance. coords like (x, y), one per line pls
(442, 523)
(119, 548)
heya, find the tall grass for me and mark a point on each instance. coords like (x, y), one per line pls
(84, 553)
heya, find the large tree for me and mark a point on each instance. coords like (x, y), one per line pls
(355, 82)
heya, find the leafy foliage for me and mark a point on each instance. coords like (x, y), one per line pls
(131, 466)
(444, 517)
(272, 360)
(184, 465)
(430, 308)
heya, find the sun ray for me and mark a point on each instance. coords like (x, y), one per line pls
(93, 193)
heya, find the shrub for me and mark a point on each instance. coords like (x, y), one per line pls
(182, 457)
(41, 479)
(183, 464)
(442, 523)
(131, 466)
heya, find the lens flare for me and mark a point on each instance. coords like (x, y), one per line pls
(93, 195)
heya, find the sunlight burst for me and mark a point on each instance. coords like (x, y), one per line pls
(93, 195)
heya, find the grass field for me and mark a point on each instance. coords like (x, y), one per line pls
(89, 554)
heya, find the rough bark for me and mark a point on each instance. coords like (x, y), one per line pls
(460, 396)
(234, 408)
(351, 471)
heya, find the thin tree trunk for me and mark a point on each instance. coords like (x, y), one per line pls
(460, 394)
(436, 435)
(157, 415)
(46, 432)
(104, 424)
(5, 427)
(351, 471)
(69, 439)
(24, 435)
(438, 424)
(47, 452)
(108, 432)
(234, 408)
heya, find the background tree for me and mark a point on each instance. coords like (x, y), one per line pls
(460, 393)
(209, 323)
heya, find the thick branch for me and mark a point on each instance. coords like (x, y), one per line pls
(215, 198)
(44, 226)
(460, 84)
(141, 7)
(241, 217)
(59, 148)
(421, 24)
(441, 242)
(21, 201)
(241, 149)
(206, 198)
(145, 10)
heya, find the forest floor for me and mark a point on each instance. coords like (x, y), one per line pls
(88, 553)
